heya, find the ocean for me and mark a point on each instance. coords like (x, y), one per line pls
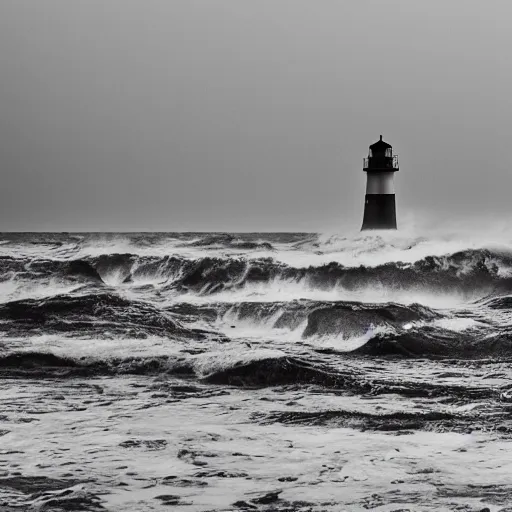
(265, 371)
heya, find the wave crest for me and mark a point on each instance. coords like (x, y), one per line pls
(472, 273)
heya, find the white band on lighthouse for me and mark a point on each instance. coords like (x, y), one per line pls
(380, 183)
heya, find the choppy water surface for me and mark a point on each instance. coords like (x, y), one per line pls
(283, 372)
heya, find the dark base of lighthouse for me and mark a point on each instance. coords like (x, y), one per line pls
(379, 211)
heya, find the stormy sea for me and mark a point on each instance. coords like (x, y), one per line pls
(267, 372)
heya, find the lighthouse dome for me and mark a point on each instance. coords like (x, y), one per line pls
(380, 145)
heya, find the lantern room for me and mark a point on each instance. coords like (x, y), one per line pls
(380, 158)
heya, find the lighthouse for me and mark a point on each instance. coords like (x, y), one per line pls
(379, 202)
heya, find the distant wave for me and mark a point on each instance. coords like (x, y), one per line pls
(472, 271)
(227, 240)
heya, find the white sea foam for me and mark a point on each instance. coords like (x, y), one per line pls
(215, 361)
(103, 349)
(344, 343)
(22, 289)
(457, 324)
(285, 290)
(380, 247)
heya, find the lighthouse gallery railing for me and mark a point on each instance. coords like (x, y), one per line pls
(381, 163)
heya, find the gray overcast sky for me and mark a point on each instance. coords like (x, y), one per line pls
(249, 114)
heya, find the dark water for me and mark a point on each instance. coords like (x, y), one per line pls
(255, 372)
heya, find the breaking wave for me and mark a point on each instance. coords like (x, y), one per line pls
(367, 297)
(479, 271)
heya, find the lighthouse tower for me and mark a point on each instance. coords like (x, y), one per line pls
(379, 202)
